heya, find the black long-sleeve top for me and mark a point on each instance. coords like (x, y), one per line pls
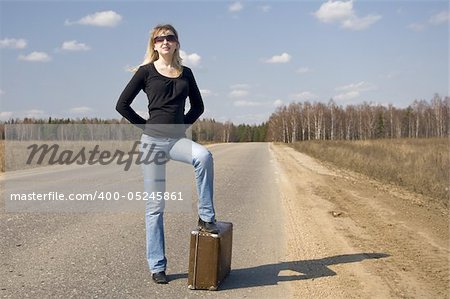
(166, 98)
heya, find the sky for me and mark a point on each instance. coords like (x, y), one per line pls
(70, 59)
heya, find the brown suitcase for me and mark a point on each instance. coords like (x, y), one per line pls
(210, 257)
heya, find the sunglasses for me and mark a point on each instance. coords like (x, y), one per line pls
(170, 38)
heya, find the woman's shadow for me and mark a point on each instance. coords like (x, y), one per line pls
(269, 274)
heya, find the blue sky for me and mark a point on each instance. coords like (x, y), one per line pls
(69, 58)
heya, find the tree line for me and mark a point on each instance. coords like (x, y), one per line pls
(69, 129)
(311, 121)
(206, 130)
(209, 130)
(318, 121)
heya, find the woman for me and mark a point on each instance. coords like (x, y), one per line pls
(167, 84)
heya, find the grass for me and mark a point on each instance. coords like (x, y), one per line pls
(420, 165)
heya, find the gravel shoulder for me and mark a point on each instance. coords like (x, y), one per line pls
(353, 237)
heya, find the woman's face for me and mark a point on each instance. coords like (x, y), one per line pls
(165, 42)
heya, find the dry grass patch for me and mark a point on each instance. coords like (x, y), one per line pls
(420, 165)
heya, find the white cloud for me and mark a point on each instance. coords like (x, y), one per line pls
(393, 74)
(13, 43)
(73, 45)
(440, 18)
(5, 115)
(102, 19)
(435, 20)
(278, 103)
(191, 60)
(206, 92)
(235, 7)
(265, 8)
(400, 10)
(347, 95)
(36, 57)
(283, 58)
(238, 93)
(342, 12)
(34, 113)
(360, 86)
(353, 90)
(142, 113)
(355, 23)
(80, 110)
(333, 11)
(239, 90)
(240, 86)
(303, 70)
(418, 27)
(247, 103)
(305, 96)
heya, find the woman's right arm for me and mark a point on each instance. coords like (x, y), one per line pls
(123, 106)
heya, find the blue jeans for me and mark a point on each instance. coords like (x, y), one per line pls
(186, 151)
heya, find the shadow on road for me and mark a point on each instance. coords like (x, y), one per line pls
(270, 274)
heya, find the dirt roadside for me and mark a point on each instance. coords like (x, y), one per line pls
(353, 237)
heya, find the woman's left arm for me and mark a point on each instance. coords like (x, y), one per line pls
(195, 99)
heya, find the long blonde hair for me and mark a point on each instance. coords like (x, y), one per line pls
(151, 54)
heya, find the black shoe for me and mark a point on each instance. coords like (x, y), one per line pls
(209, 227)
(160, 277)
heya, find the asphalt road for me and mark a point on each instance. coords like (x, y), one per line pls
(94, 254)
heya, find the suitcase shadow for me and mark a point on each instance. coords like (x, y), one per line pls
(265, 275)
